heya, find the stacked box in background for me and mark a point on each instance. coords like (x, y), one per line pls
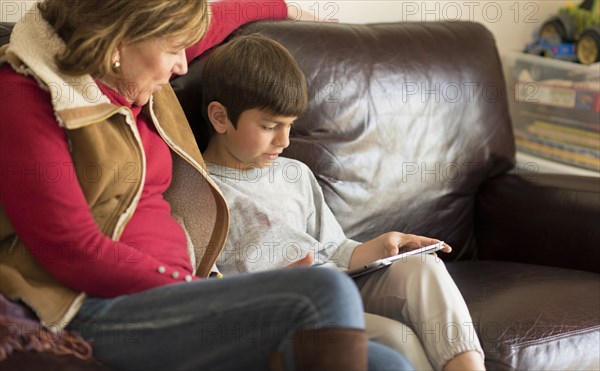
(555, 108)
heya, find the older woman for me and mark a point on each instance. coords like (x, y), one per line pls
(108, 220)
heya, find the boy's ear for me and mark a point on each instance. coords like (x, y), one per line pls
(217, 114)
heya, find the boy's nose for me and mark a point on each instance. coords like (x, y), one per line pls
(283, 138)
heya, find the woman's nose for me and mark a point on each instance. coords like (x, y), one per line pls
(181, 66)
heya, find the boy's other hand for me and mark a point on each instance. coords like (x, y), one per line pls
(305, 261)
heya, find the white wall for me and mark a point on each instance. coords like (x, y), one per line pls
(12, 10)
(513, 22)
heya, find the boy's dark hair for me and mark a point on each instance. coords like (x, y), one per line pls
(253, 71)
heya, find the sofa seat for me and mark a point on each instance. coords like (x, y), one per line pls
(529, 316)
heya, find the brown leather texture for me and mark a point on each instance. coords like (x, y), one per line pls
(532, 317)
(537, 218)
(408, 129)
(5, 29)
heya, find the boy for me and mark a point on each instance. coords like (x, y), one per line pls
(253, 91)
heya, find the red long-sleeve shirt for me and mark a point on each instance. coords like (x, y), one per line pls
(41, 196)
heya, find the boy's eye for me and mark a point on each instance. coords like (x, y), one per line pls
(269, 128)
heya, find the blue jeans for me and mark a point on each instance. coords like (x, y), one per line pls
(227, 324)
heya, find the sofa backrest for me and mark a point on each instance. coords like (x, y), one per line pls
(405, 122)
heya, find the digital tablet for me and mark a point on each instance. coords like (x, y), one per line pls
(382, 263)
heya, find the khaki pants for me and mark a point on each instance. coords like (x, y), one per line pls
(419, 292)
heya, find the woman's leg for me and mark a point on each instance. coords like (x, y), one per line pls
(419, 292)
(230, 323)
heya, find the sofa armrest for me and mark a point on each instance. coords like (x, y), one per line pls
(542, 219)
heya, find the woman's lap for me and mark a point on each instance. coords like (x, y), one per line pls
(217, 323)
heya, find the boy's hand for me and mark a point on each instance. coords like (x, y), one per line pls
(395, 242)
(389, 244)
(305, 261)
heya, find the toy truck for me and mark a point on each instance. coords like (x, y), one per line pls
(578, 26)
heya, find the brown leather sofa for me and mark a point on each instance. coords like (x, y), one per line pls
(408, 129)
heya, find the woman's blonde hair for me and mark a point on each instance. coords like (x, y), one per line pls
(93, 29)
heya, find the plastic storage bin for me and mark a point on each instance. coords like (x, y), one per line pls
(555, 108)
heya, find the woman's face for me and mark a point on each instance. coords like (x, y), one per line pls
(148, 65)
